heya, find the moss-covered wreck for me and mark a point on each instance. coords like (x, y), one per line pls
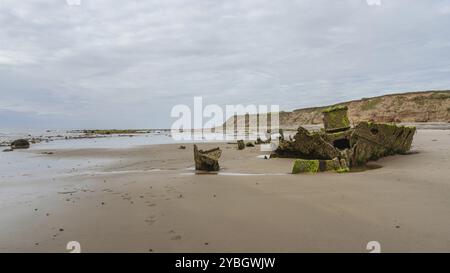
(339, 147)
(207, 160)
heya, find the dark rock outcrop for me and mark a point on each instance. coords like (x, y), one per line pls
(241, 145)
(20, 144)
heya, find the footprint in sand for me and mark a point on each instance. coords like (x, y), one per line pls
(151, 220)
(175, 237)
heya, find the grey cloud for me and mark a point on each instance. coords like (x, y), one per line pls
(126, 63)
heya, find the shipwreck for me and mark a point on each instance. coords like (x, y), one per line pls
(340, 147)
(207, 160)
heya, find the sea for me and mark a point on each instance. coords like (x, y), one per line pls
(32, 164)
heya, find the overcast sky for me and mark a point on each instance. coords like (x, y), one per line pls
(125, 64)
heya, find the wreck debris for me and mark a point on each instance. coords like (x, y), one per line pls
(207, 160)
(340, 147)
(371, 141)
(340, 140)
(335, 119)
(305, 166)
(306, 145)
(241, 145)
(315, 165)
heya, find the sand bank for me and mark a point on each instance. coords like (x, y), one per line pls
(148, 199)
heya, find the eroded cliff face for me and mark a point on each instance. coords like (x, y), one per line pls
(431, 106)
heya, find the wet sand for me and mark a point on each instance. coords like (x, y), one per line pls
(148, 199)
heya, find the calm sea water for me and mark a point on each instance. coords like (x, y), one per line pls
(27, 165)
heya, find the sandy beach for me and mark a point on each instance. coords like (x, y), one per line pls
(149, 199)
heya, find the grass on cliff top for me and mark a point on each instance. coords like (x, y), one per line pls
(440, 96)
(370, 104)
(434, 96)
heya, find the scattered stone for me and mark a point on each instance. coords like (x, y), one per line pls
(207, 160)
(250, 144)
(7, 150)
(182, 147)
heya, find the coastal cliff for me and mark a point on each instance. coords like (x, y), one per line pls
(427, 106)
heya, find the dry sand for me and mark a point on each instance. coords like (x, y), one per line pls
(150, 200)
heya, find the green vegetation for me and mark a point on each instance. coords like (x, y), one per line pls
(335, 118)
(305, 166)
(343, 170)
(434, 96)
(370, 104)
(420, 100)
(440, 96)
